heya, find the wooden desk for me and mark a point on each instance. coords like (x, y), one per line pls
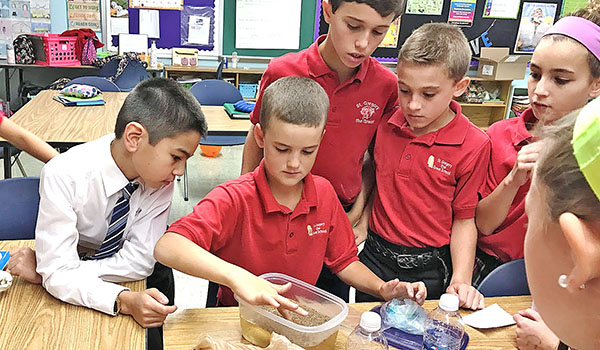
(184, 328)
(63, 126)
(85, 70)
(30, 318)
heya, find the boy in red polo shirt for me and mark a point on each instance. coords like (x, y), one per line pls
(279, 218)
(361, 93)
(430, 160)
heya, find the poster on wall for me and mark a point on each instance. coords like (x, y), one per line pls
(391, 37)
(40, 9)
(424, 7)
(157, 4)
(504, 9)
(119, 17)
(536, 19)
(83, 14)
(462, 12)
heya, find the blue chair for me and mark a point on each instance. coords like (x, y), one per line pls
(103, 84)
(133, 73)
(215, 92)
(19, 202)
(507, 279)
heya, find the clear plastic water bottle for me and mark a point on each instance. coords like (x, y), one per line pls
(234, 59)
(444, 328)
(367, 335)
(153, 55)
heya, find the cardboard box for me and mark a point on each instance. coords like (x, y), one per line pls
(496, 63)
(184, 56)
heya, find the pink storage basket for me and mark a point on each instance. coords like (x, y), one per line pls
(54, 50)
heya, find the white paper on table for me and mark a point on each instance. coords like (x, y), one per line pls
(119, 25)
(492, 316)
(149, 23)
(267, 24)
(199, 30)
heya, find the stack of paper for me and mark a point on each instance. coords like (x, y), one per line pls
(76, 101)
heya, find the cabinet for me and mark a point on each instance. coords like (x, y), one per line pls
(486, 113)
(235, 75)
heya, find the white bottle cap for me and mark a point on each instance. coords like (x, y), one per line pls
(370, 321)
(449, 302)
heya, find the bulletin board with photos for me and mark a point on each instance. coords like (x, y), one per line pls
(169, 23)
(517, 24)
(22, 17)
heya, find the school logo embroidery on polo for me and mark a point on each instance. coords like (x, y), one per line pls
(316, 229)
(367, 110)
(439, 164)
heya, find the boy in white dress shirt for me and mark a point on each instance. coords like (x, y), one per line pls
(157, 130)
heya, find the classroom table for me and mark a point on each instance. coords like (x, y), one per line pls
(21, 67)
(62, 126)
(30, 318)
(183, 329)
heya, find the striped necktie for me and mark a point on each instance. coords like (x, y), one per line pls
(118, 220)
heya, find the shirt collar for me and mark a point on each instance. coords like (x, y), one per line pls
(453, 133)
(113, 178)
(521, 133)
(317, 66)
(308, 199)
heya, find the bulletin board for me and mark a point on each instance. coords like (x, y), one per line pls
(495, 32)
(307, 26)
(170, 26)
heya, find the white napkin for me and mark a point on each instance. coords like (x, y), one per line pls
(492, 316)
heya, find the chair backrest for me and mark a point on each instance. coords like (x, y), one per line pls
(19, 202)
(506, 280)
(214, 92)
(103, 84)
(133, 73)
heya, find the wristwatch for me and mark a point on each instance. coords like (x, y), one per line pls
(117, 306)
(562, 346)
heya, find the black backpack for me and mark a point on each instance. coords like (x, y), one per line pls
(23, 50)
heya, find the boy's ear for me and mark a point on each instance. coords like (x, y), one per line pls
(327, 10)
(595, 88)
(259, 136)
(584, 241)
(461, 86)
(132, 136)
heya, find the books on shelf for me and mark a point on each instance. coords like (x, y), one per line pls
(77, 101)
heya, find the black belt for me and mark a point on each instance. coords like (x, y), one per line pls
(407, 257)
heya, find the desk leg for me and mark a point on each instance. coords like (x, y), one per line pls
(7, 84)
(21, 84)
(7, 169)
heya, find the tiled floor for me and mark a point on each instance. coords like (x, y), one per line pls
(204, 174)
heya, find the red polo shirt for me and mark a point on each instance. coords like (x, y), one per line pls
(356, 107)
(508, 137)
(241, 222)
(425, 182)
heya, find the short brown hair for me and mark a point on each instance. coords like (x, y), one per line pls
(294, 100)
(567, 190)
(592, 14)
(382, 7)
(164, 108)
(438, 43)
